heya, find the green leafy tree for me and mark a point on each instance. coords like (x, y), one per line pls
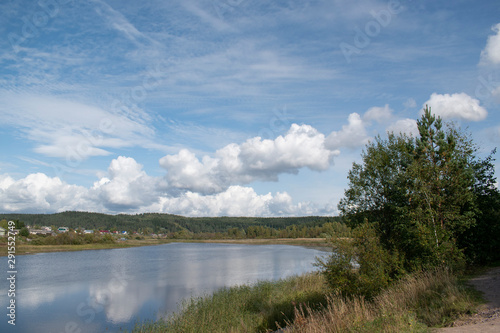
(4, 224)
(19, 224)
(421, 194)
(482, 242)
(24, 232)
(378, 187)
(441, 197)
(376, 267)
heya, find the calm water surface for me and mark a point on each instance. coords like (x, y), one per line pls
(109, 290)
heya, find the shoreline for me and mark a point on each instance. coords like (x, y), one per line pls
(25, 249)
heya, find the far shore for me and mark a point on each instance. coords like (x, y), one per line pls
(24, 248)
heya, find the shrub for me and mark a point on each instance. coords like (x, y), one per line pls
(24, 232)
(360, 265)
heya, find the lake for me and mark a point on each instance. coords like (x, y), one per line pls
(110, 290)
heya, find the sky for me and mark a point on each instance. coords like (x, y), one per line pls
(228, 107)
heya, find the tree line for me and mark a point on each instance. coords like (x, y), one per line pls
(188, 227)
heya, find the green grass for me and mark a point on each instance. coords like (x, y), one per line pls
(303, 304)
(258, 308)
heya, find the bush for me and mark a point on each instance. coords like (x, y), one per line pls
(71, 238)
(360, 265)
(24, 232)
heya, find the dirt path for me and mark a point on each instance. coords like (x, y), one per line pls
(488, 317)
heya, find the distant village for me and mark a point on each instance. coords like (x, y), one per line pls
(49, 231)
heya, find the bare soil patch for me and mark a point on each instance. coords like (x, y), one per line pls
(488, 317)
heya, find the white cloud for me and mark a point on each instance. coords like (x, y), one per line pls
(353, 135)
(491, 52)
(210, 186)
(40, 193)
(185, 171)
(378, 114)
(255, 159)
(410, 103)
(404, 126)
(460, 106)
(235, 201)
(128, 186)
(73, 130)
(119, 22)
(130, 190)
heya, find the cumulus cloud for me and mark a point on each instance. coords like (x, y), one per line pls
(210, 186)
(40, 193)
(491, 52)
(256, 159)
(460, 106)
(352, 135)
(130, 190)
(378, 114)
(128, 186)
(235, 201)
(404, 126)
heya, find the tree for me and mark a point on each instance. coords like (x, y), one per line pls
(378, 187)
(482, 242)
(24, 232)
(376, 266)
(19, 224)
(4, 224)
(441, 196)
(421, 194)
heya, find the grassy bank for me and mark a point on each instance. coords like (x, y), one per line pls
(255, 308)
(27, 248)
(420, 301)
(303, 304)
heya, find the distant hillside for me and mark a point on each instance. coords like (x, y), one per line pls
(163, 222)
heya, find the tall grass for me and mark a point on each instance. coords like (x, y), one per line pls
(410, 305)
(259, 308)
(302, 304)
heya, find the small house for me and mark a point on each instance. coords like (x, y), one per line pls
(63, 229)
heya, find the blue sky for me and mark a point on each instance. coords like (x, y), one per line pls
(227, 107)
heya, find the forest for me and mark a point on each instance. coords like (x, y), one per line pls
(187, 227)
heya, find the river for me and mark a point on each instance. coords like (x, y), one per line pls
(110, 290)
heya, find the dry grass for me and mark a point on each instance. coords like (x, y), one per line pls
(411, 305)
